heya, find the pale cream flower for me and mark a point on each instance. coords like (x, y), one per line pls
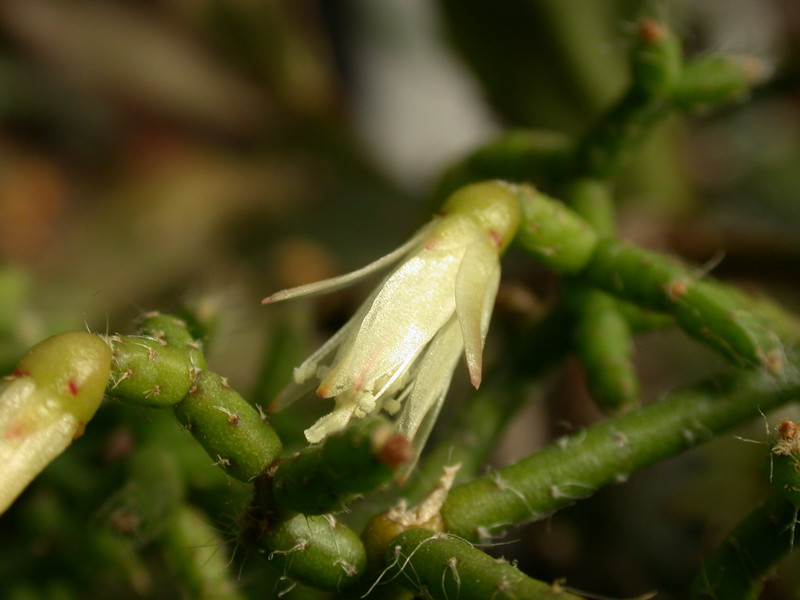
(399, 351)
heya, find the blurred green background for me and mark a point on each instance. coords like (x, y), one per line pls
(161, 152)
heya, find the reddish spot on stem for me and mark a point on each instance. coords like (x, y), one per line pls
(72, 387)
(19, 372)
(16, 430)
(396, 451)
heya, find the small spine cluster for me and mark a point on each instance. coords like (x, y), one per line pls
(785, 455)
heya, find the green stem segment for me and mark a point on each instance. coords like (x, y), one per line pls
(164, 366)
(149, 371)
(606, 453)
(324, 477)
(656, 68)
(720, 316)
(155, 367)
(710, 311)
(602, 334)
(602, 339)
(194, 551)
(439, 566)
(716, 80)
(228, 427)
(314, 550)
(518, 155)
(737, 569)
(174, 332)
(785, 462)
(592, 200)
(555, 234)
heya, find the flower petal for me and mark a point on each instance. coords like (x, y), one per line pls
(290, 393)
(306, 376)
(435, 371)
(334, 421)
(476, 288)
(336, 283)
(403, 318)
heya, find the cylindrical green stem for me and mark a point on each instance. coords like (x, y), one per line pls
(614, 140)
(440, 566)
(175, 332)
(324, 477)
(656, 69)
(608, 452)
(314, 550)
(229, 428)
(785, 461)
(708, 310)
(148, 371)
(592, 199)
(156, 367)
(155, 487)
(602, 334)
(45, 404)
(716, 80)
(195, 552)
(555, 234)
(603, 341)
(737, 569)
(722, 317)
(520, 156)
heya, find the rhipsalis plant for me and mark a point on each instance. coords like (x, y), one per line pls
(378, 498)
